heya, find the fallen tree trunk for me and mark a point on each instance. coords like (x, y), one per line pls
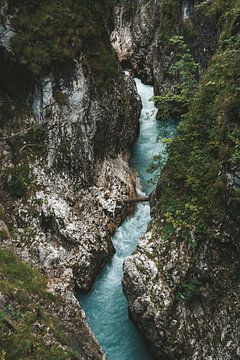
(139, 199)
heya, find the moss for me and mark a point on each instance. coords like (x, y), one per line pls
(18, 180)
(51, 35)
(27, 299)
(102, 63)
(2, 212)
(36, 134)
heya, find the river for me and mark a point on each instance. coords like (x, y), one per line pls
(106, 306)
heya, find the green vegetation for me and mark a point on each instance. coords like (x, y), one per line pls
(17, 181)
(170, 18)
(26, 145)
(3, 355)
(25, 325)
(194, 184)
(184, 71)
(36, 134)
(4, 234)
(188, 291)
(52, 35)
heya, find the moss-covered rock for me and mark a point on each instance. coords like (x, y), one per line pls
(29, 322)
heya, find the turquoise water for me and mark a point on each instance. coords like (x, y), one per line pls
(106, 306)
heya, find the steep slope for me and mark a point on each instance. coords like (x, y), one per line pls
(69, 117)
(36, 324)
(182, 282)
(142, 29)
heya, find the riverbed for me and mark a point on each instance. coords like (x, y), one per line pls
(106, 306)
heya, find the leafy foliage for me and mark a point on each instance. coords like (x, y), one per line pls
(175, 103)
(18, 181)
(188, 291)
(194, 184)
(51, 35)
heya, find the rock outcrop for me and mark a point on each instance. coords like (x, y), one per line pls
(140, 37)
(64, 149)
(135, 26)
(185, 302)
(182, 282)
(36, 323)
(142, 30)
(81, 182)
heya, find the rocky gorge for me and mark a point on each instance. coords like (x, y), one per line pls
(181, 283)
(69, 119)
(64, 172)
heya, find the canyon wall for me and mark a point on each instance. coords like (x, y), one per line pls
(181, 283)
(67, 130)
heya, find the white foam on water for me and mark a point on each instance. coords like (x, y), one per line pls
(106, 306)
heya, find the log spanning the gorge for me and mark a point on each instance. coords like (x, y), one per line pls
(136, 200)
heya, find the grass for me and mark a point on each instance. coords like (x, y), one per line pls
(26, 326)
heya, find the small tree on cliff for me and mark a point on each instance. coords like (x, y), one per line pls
(185, 72)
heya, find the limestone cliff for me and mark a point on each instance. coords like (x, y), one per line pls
(182, 281)
(67, 129)
(142, 30)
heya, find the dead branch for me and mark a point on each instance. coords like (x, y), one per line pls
(16, 134)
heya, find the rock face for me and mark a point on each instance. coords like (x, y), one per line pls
(172, 300)
(64, 170)
(133, 36)
(140, 37)
(88, 143)
(184, 295)
(94, 125)
(142, 30)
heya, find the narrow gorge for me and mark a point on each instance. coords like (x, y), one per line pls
(105, 305)
(85, 271)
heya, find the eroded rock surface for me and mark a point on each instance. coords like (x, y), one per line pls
(172, 300)
(140, 37)
(183, 289)
(142, 30)
(65, 175)
(72, 225)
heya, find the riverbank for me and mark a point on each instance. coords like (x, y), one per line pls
(106, 306)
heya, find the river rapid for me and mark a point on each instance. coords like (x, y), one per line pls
(106, 306)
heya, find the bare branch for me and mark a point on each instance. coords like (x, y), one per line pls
(16, 134)
(30, 145)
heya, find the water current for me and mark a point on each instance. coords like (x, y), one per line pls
(106, 306)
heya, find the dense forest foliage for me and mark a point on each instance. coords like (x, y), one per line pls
(49, 37)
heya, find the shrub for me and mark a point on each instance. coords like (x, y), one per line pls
(184, 70)
(188, 291)
(18, 181)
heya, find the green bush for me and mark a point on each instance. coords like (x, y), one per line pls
(36, 134)
(194, 183)
(188, 291)
(17, 180)
(18, 186)
(52, 35)
(184, 70)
